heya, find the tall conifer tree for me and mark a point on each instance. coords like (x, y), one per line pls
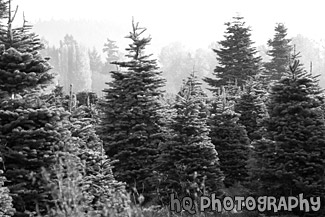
(131, 125)
(290, 158)
(236, 58)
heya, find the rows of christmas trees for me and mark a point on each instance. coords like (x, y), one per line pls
(261, 135)
(52, 160)
(262, 132)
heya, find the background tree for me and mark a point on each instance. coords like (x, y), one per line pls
(131, 127)
(177, 60)
(280, 52)
(96, 68)
(236, 56)
(74, 65)
(251, 108)
(112, 54)
(189, 163)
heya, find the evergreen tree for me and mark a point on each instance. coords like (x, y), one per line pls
(74, 65)
(251, 108)
(21, 38)
(86, 98)
(21, 65)
(131, 127)
(98, 78)
(6, 209)
(36, 128)
(236, 57)
(31, 131)
(29, 128)
(231, 140)
(189, 163)
(279, 52)
(84, 152)
(290, 159)
(102, 186)
(112, 54)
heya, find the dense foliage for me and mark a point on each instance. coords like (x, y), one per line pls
(231, 140)
(73, 150)
(280, 52)
(236, 57)
(131, 126)
(290, 158)
(189, 163)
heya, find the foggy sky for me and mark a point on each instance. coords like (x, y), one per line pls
(195, 23)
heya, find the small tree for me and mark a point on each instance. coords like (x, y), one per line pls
(189, 163)
(231, 140)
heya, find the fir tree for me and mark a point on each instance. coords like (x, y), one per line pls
(251, 108)
(96, 168)
(21, 38)
(236, 56)
(74, 65)
(279, 52)
(29, 128)
(189, 163)
(31, 131)
(131, 127)
(21, 65)
(112, 54)
(290, 160)
(6, 209)
(97, 77)
(231, 140)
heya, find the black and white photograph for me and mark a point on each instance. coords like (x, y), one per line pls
(175, 108)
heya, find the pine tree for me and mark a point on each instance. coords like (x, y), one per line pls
(6, 206)
(189, 164)
(131, 127)
(231, 140)
(97, 77)
(35, 128)
(251, 108)
(290, 159)
(104, 190)
(91, 168)
(21, 38)
(236, 56)
(74, 65)
(29, 128)
(21, 65)
(280, 51)
(112, 54)
(6, 209)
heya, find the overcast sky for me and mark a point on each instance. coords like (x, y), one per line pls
(195, 22)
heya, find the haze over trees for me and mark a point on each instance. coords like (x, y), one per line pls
(98, 133)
